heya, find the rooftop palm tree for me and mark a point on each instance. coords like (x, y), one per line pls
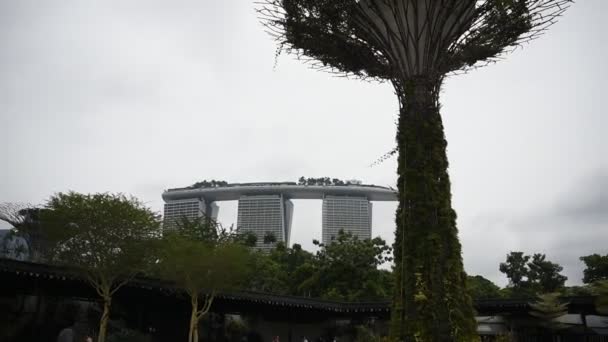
(414, 45)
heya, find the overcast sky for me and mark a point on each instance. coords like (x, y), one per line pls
(139, 96)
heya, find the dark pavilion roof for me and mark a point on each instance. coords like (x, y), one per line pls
(19, 277)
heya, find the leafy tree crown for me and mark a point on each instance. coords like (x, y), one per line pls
(105, 235)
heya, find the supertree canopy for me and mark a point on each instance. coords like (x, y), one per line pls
(414, 44)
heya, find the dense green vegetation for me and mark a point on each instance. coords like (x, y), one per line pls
(346, 269)
(482, 288)
(529, 275)
(208, 184)
(294, 271)
(600, 289)
(596, 268)
(326, 181)
(269, 238)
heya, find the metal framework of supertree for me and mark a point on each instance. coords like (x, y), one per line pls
(415, 44)
(23, 218)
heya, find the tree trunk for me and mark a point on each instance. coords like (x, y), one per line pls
(193, 333)
(105, 316)
(431, 302)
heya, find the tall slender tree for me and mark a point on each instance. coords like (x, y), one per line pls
(200, 269)
(414, 44)
(201, 257)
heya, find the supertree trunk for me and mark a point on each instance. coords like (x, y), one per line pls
(431, 302)
(415, 44)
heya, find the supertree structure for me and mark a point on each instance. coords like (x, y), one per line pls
(415, 44)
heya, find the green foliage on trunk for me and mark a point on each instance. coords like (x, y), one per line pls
(107, 237)
(431, 302)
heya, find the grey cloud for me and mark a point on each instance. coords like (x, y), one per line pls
(589, 201)
(582, 206)
(575, 225)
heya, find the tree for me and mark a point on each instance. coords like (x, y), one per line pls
(266, 275)
(201, 269)
(281, 271)
(208, 184)
(207, 229)
(104, 236)
(295, 266)
(482, 288)
(414, 44)
(346, 269)
(248, 239)
(202, 257)
(544, 275)
(576, 291)
(515, 269)
(529, 275)
(596, 268)
(547, 309)
(269, 238)
(204, 228)
(600, 289)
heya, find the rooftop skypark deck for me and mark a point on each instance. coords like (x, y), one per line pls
(291, 190)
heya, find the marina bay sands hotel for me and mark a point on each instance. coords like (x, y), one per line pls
(267, 208)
